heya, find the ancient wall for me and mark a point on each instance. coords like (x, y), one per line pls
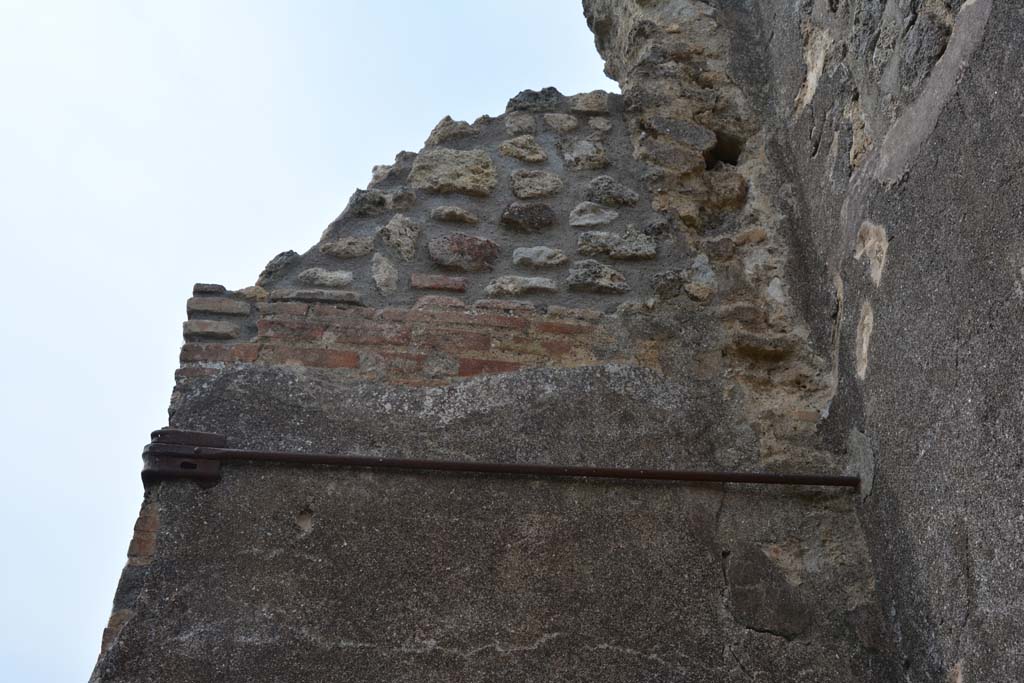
(716, 269)
(896, 128)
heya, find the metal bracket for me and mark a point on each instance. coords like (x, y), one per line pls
(172, 455)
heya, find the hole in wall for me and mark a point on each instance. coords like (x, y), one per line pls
(727, 150)
(304, 520)
(189, 466)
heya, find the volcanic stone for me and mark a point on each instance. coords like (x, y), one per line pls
(531, 184)
(524, 148)
(595, 102)
(401, 234)
(528, 217)
(585, 155)
(375, 202)
(538, 257)
(591, 276)
(563, 123)
(547, 99)
(449, 129)
(520, 123)
(320, 277)
(348, 247)
(459, 251)
(606, 190)
(276, 265)
(514, 285)
(385, 274)
(588, 213)
(454, 214)
(629, 246)
(446, 170)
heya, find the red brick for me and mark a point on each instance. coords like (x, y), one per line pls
(457, 317)
(508, 321)
(398, 314)
(193, 352)
(329, 312)
(446, 283)
(476, 366)
(292, 308)
(333, 296)
(314, 357)
(367, 333)
(556, 347)
(505, 305)
(210, 329)
(561, 328)
(212, 305)
(290, 329)
(437, 301)
(453, 340)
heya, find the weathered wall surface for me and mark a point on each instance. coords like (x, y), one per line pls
(704, 272)
(896, 124)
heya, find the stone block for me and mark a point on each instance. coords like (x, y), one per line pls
(446, 171)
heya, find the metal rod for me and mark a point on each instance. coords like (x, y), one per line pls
(237, 455)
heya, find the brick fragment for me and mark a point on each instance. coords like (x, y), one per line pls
(509, 305)
(317, 295)
(556, 347)
(453, 340)
(332, 312)
(551, 327)
(291, 308)
(437, 301)
(314, 357)
(210, 329)
(301, 330)
(476, 366)
(216, 306)
(437, 282)
(194, 352)
(367, 333)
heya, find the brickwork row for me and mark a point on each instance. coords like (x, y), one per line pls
(439, 340)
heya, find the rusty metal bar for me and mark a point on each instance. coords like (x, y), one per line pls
(191, 458)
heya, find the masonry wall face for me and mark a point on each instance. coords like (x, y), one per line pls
(699, 273)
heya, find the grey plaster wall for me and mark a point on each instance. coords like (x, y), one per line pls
(936, 105)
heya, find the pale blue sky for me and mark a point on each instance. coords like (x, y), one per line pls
(145, 146)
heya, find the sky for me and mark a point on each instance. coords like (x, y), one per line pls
(146, 146)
